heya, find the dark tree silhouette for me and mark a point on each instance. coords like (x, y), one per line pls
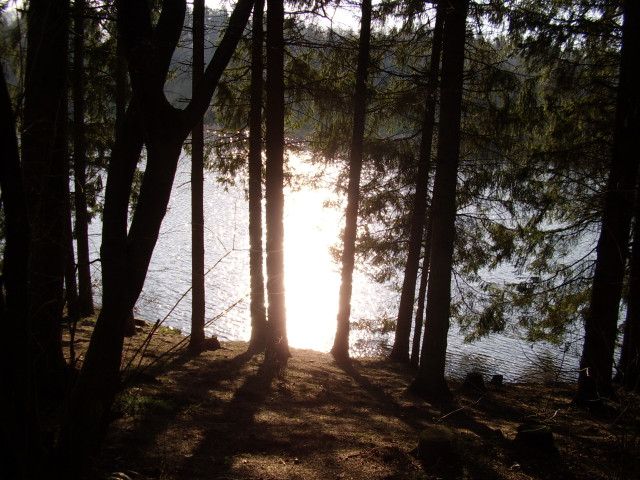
(197, 194)
(20, 432)
(126, 255)
(430, 379)
(258, 310)
(340, 349)
(85, 293)
(277, 347)
(629, 364)
(34, 192)
(601, 324)
(44, 168)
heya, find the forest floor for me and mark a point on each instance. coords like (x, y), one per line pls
(219, 416)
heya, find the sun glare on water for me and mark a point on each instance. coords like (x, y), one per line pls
(312, 279)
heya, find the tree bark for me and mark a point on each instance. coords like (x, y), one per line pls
(340, 349)
(277, 347)
(258, 309)
(430, 379)
(594, 381)
(400, 351)
(197, 194)
(85, 293)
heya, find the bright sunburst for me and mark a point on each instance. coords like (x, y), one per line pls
(312, 278)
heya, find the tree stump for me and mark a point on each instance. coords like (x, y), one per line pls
(435, 442)
(474, 381)
(211, 344)
(537, 436)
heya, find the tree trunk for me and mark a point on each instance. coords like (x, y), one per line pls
(629, 364)
(19, 435)
(122, 92)
(258, 310)
(400, 351)
(120, 69)
(424, 281)
(70, 283)
(85, 293)
(44, 166)
(340, 349)
(197, 195)
(601, 324)
(430, 379)
(277, 348)
(86, 414)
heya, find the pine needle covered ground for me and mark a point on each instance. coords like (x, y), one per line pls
(218, 416)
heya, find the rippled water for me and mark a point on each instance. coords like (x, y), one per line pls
(312, 282)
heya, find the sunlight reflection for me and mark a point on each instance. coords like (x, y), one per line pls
(312, 278)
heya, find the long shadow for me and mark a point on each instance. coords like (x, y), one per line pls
(221, 441)
(447, 467)
(537, 463)
(155, 418)
(460, 418)
(234, 431)
(352, 368)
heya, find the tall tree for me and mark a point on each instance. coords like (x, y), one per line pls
(126, 254)
(400, 351)
(629, 364)
(197, 194)
(33, 198)
(85, 294)
(258, 309)
(430, 378)
(45, 174)
(340, 349)
(20, 434)
(277, 348)
(601, 323)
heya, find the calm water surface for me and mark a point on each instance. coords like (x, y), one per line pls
(312, 282)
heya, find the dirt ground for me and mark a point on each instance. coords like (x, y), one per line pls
(219, 416)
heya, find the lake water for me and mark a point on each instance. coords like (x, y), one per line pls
(312, 282)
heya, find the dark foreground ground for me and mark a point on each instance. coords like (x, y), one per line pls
(217, 416)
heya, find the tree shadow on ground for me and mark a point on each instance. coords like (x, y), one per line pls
(227, 419)
(153, 398)
(472, 434)
(446, 466)
(354, 369)
(479, 418)
(216, 447)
